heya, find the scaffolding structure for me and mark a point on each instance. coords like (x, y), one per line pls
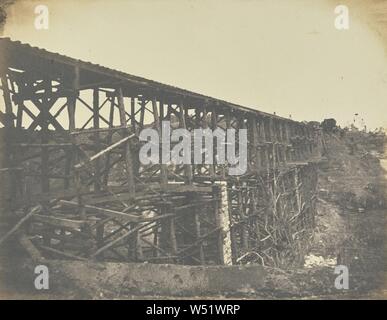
(76, 189)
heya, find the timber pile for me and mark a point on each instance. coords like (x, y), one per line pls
(158, 226)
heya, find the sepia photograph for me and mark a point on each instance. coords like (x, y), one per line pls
(186, 150)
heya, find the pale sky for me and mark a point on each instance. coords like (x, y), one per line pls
(282, 56)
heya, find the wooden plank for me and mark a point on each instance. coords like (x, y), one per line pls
(104, 151)
(115, 241)
(108, 212)
(28, 246)
(60, 222)
(63, 254)
(108, 198)
(33, 211)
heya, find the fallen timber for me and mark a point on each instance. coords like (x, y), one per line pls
(70, 149)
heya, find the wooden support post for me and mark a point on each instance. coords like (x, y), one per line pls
(214, 125)
(163, 166)
(127, 151)
(227, 116)
(255, 157)
(197, 227)
(204, 125)
(19, 116)
(173, 240)
(281, 149)
(287, 141)
(109, 140)
(11, 158)
(165, 232)
(142, 112)
(139, 251)
(7, 96)
(133, 113)
(302, 143)
(168, 232)
(17, 156)
(161, 113)
(68, 163)
(216, 192)
(243, 217)
(273, 140)
(72, 98)
(198, 235)
(45, 182)
(254, 195)
(71, 109)
(297, 142)
(297, 191)
(97, 165)
(133, 244)
(293, 152)
(71, 102)
(264, 140)
(268, 142)
(187, 167)
(156, 240)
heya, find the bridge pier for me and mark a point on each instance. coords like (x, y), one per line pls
(224, 223)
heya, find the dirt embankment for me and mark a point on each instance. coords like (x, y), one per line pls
(350, 223)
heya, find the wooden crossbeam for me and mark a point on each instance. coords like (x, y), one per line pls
(108, 212)
(45, 115)
(33, 211)
(91, 109)
(115, 241)
(102, 152)
(101, 130)
(60, 222)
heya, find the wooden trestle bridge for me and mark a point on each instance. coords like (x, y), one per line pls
(73, 187)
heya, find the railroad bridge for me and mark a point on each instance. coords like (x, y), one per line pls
(75, 189)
